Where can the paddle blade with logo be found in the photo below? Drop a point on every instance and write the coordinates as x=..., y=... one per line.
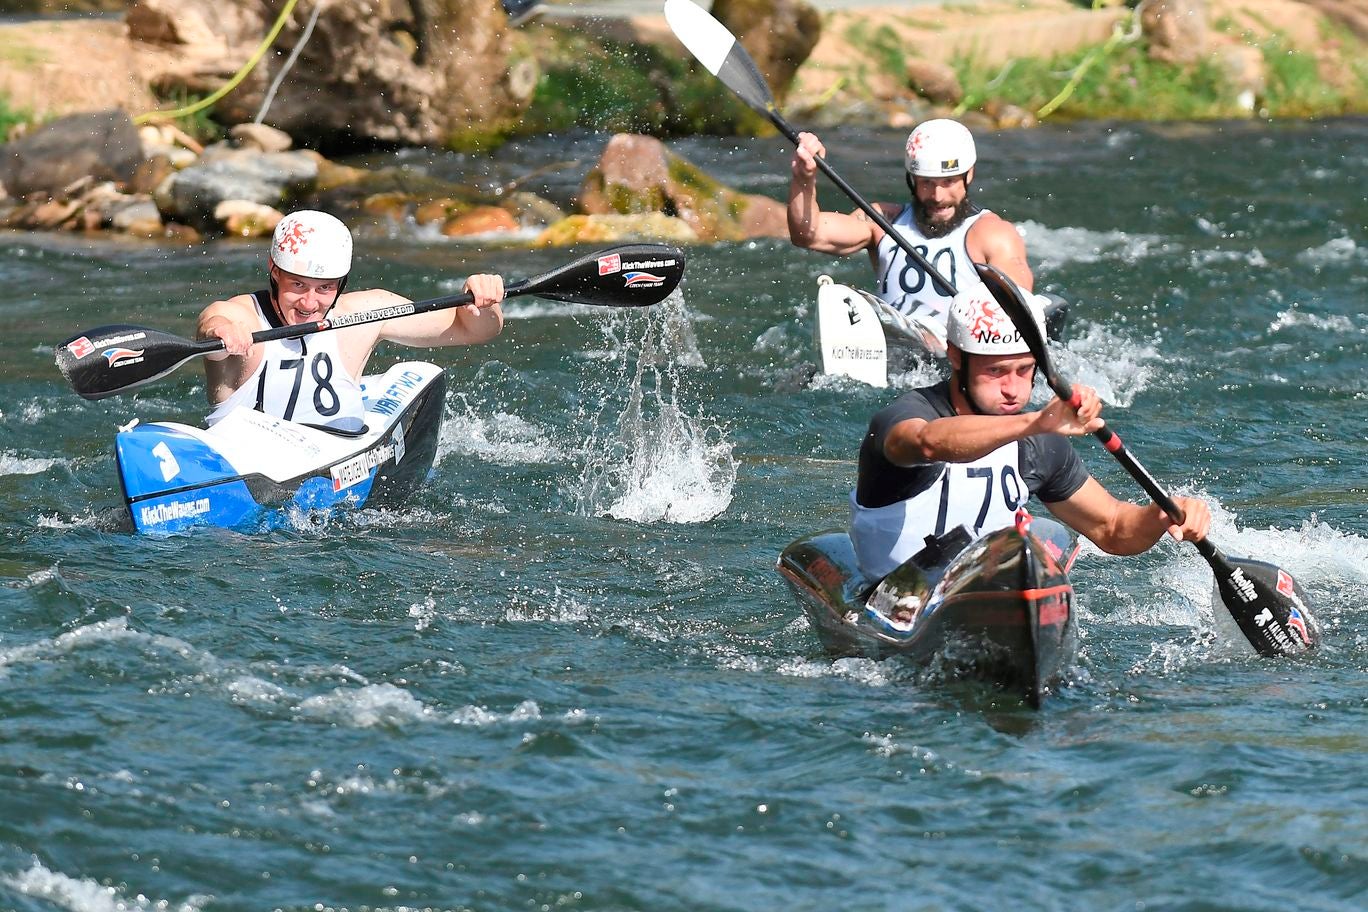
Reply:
x=114, y=359
x=629, y=275
x=1265, y=601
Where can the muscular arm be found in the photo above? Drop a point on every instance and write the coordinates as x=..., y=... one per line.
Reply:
x=996, y=242
x=233, y=321
x=836, y=233
x=1123, y=528
x=963, y=438
x=469, y=324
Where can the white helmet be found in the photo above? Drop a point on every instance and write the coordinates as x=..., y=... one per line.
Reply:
x=940, y=148
x=312, y=244
x=977, y=325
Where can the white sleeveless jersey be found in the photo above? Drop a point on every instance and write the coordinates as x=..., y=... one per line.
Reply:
x=300, y=380
x=982, y=496
x=906, y=286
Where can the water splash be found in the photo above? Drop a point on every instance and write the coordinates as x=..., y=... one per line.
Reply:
x=647, y=459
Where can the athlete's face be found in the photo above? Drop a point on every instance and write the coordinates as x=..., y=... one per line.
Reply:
x=999, y=384
x=300, y=299
x=941, y=197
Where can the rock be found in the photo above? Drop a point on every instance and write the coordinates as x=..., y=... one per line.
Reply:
x=166, y=22
x=259, y=137
x=637, y=174
x=104, y=146
x=934, y=81
x=778, y=34
x=191, y=196
x=139, y=215
x=370, y=70
x=605, y=229
x=1176, y=30
x=244, y=218
x=480, y=220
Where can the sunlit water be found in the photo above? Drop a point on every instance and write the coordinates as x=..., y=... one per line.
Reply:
x=566, y=676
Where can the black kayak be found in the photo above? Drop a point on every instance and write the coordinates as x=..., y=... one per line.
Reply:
x=998, y=608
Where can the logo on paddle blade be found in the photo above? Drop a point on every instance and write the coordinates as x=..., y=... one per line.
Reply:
x=1298, y=623
x=1285, y=583
x=81, y=347
x=122, y=357
x=610, y=264
x=643, y=279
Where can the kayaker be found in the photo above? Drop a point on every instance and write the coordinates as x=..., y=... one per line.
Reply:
x=315, y=379
x=941, y=221
x=966, y=452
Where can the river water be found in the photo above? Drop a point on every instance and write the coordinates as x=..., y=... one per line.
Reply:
x=566, y=676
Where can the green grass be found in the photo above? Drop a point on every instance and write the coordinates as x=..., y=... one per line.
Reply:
x=10, y=118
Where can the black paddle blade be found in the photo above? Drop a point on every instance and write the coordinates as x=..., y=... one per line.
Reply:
x=1013, y=303
x=1268, y=605
x=631, y=275
x=114, y=359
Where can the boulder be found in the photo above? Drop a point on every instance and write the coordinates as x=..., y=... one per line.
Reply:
x=616, y=229
x=103, y=146
x=268, y=178
x=936, y=82
x=778, y=34
x=423, y=72
x=637, y=174
x=1175, y=29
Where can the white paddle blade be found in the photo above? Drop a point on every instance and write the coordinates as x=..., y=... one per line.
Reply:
x=706, y=38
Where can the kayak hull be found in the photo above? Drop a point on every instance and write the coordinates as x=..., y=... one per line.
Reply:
x=251, y=469
x=997, y=609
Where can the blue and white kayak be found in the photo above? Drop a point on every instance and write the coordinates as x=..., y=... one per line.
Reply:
x=252, y=470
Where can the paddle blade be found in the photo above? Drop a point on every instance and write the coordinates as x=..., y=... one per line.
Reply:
x=630, y=275
x=720, y=53
x=1013, y=303
x=1268, y=605
x=114, y=359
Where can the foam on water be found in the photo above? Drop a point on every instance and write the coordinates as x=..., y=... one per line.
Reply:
x=86, y=895
x=1118, y=367
x=501, y=438
x=1334, y=251
x=12, y=463
x=651, y=460
x=1053, y=247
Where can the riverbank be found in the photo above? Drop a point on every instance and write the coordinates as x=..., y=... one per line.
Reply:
x=601, y=65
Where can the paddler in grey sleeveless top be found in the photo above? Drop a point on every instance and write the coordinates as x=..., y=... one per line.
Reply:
x=941, y=222
x=316, y=380
x=967, y=453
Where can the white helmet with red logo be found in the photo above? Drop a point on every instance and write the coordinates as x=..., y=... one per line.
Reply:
x=977, y=325
x=312, y=244
x=940, y=148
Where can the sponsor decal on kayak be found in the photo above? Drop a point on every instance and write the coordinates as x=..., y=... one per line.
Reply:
x=398, y=393
x=855, y=353
x=359, y=468
x=642, y=280
x=123, y=357
x=175, y=510
x=610, y=264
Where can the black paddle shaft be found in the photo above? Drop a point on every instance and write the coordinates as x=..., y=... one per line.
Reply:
x=106, y=360
x=1266, y=602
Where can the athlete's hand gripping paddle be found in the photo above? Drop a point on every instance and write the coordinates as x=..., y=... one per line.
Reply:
x=1268, y=605
x=114, y=359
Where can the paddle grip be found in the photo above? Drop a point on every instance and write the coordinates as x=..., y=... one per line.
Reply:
x=1064, y=390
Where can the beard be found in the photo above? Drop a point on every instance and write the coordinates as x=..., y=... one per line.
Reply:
x=966, y=208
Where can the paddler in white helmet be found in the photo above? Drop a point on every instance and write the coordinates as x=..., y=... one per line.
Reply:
x=967, y=452
x=316, y=379
x=941, y=221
